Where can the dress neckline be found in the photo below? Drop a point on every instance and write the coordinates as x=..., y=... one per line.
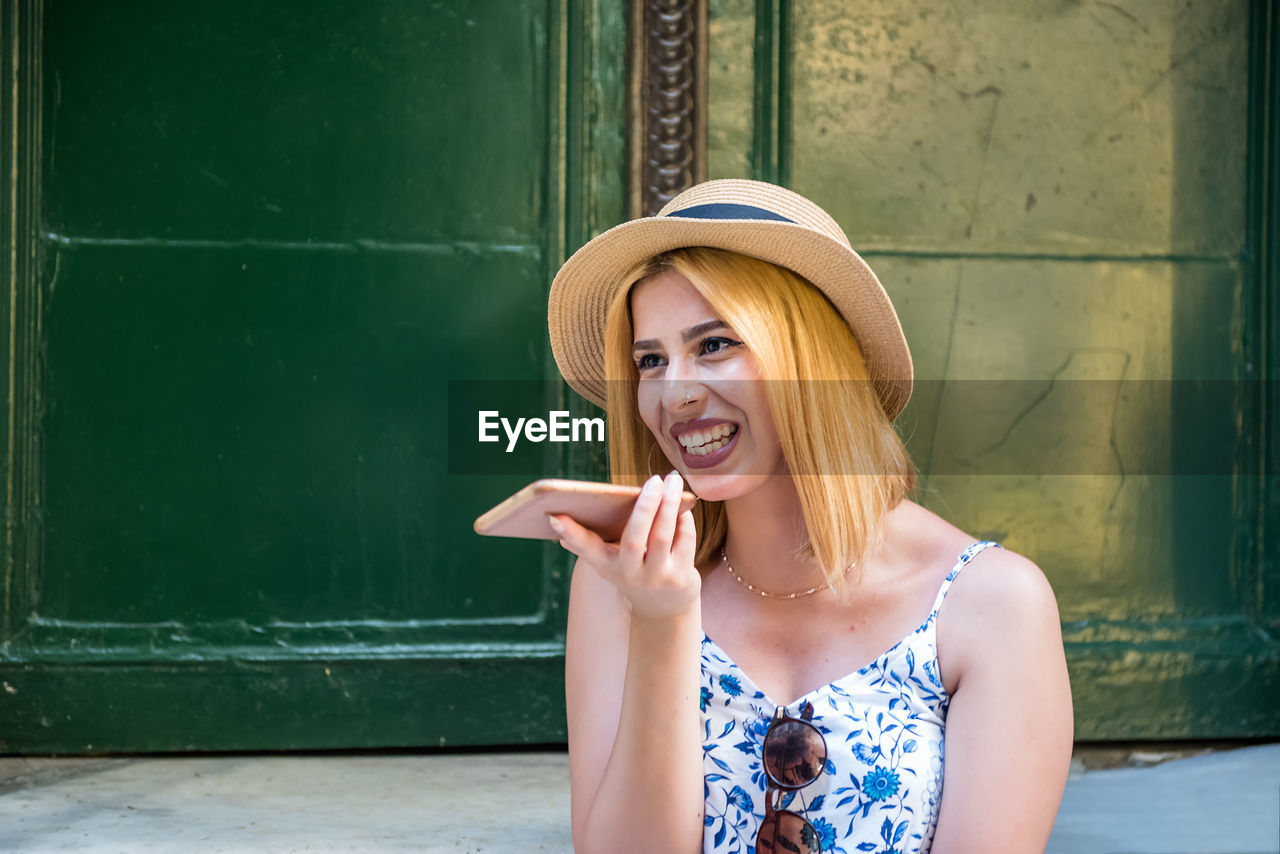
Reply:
x=964, y=558
x=861, y=671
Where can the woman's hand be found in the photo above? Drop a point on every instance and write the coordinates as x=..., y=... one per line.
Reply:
x=652, y=566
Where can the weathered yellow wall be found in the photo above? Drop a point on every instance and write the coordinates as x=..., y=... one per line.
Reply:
x=1054, y=195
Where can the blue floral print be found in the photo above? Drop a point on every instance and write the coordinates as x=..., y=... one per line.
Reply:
x=729, y=683
x=884, y=727
x=741, y=799
x=826, y=831
x=880, y=784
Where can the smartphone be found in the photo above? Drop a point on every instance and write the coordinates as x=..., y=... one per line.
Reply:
x=602, y=507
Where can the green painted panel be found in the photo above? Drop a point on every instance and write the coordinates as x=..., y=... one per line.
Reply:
x=1177, y=680
x=730, y=75
x=236, y=348
x=386, y=120
x=257, y=435
x=448, y=700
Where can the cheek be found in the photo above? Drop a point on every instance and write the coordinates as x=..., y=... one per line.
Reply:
x=649, y=405
x=762, y=417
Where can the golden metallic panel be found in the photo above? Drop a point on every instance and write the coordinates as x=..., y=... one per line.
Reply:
x=1061, y=368
x=1053, y=192
x=1063, y=127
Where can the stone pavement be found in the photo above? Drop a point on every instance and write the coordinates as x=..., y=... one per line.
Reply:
x=1225, y=802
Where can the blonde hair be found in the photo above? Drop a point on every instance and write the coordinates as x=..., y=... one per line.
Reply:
x=849, y=464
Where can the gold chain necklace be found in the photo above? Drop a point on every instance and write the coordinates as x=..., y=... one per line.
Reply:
x=724, y=559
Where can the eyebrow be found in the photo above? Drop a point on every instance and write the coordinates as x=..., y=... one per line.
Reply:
x=688, y=335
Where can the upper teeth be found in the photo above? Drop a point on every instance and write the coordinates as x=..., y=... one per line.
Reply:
x=701, y=437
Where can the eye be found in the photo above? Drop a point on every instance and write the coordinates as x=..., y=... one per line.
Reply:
x=647, y=361
x=718, y=345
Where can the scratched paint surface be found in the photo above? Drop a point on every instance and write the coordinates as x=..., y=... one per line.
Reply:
x=1062, y=367
x=1091, y=127
x=1023, y=130
x=1054, y=194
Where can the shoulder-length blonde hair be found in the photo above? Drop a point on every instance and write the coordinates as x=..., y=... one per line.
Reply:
x=849, y=464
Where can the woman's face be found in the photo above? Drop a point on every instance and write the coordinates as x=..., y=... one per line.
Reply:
x=723, y=440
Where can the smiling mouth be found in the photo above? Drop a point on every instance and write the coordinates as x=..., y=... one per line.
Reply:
x=702, y=442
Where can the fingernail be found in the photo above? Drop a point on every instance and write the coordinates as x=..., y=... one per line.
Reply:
x=555, y=524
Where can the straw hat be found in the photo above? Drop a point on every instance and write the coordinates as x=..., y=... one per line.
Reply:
x=749, y=217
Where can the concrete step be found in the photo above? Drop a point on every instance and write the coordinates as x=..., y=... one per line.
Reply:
x=1223, y=802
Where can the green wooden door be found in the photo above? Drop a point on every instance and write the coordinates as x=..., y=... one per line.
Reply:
x=1071, y=205
x=247, y=247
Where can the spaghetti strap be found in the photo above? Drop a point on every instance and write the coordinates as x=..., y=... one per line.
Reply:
x=965, y=556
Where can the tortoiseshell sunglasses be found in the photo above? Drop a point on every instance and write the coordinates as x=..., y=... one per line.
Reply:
x=795, y=754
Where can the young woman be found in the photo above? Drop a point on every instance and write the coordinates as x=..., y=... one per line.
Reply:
x=798, y=664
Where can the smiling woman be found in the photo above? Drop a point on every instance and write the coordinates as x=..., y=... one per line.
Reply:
x=739, y=341
x=796, y=356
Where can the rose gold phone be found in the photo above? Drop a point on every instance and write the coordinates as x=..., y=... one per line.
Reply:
x=602, y=507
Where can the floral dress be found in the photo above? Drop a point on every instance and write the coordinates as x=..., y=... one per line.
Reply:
x=883, y=726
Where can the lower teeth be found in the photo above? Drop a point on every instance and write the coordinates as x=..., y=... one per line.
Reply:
x=703, y=450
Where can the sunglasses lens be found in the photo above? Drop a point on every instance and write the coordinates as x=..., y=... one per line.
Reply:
x=786, y=833
x=794, y=753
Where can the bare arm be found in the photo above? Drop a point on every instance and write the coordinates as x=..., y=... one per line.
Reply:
x=631, y=684
x=1009, y=726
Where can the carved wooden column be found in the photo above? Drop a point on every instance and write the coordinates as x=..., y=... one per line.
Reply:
x=668, y=93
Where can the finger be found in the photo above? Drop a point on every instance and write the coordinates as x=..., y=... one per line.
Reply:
x=583, y=541
x=686, y=541
x=664, y=524
x=635, y=537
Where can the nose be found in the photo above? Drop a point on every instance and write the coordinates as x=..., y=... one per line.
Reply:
x=680, y=396
x=682, y=388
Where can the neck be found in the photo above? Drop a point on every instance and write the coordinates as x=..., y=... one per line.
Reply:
x=766, y=527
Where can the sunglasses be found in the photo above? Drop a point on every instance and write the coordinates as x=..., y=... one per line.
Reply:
x=795, y=754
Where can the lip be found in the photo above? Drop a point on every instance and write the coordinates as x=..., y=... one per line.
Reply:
x=705, y=461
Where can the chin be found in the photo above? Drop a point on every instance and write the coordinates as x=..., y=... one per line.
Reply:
x=723, y=487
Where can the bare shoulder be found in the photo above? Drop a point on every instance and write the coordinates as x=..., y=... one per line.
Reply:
x=1002, y=584
x=1001, y=603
